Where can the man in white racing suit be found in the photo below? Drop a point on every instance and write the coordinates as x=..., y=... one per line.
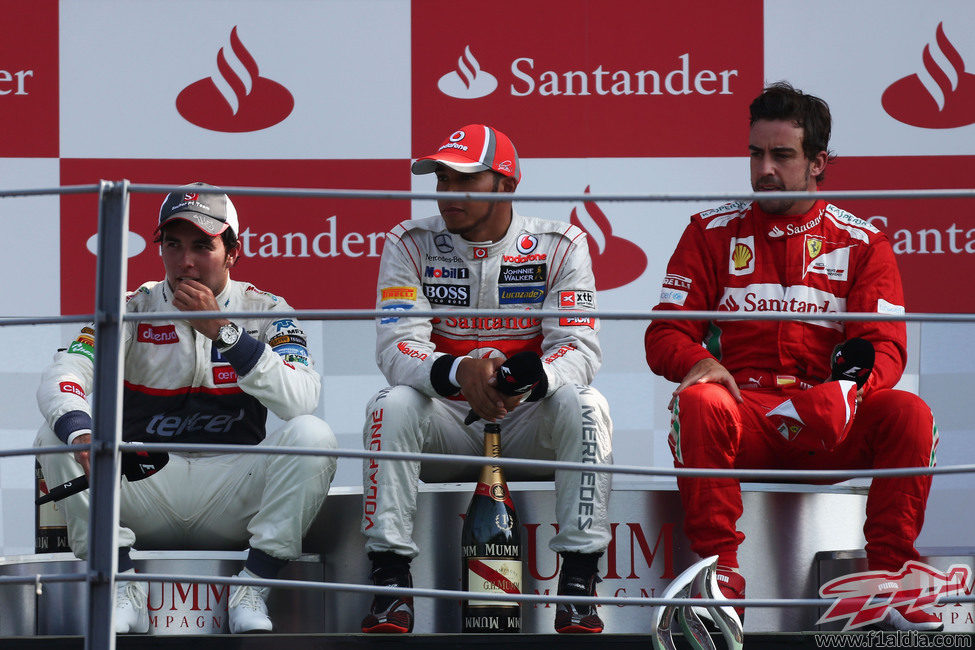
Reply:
x=199, y=381
x=482, y=254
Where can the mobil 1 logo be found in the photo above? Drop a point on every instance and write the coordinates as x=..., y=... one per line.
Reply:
x=448, y=294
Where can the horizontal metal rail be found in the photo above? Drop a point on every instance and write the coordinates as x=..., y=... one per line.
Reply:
x=313, y=193
x=674, y=197
x=785, y=475
x=372, y=314
x=307, y=585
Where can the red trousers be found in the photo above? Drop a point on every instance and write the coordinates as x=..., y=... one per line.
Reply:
x=891, y=428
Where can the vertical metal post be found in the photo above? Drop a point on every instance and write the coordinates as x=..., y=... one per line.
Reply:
x=113, y=226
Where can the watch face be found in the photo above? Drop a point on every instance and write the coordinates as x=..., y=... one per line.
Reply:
x=229, y=335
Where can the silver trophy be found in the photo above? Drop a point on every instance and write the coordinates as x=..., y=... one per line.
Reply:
x=700, y=578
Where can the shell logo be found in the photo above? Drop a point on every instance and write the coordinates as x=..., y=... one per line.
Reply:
x=741, y=256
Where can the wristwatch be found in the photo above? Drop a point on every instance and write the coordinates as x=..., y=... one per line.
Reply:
x=228, y=336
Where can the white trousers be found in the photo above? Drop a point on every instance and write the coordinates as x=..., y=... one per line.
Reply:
x=212, y=501
x=573, y=424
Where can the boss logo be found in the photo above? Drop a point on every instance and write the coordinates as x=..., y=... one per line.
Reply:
x=447, y=294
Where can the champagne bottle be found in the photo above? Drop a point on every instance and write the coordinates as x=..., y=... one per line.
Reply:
x=491, y=548
x=51, y=529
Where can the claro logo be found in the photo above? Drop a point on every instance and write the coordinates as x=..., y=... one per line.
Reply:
x=469, y=81
x=235, y=103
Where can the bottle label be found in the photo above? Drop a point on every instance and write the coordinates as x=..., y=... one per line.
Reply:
x=496, y=491
x=51, y=532
x=489, y=576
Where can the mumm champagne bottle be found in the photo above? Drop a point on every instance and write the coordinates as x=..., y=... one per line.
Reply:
x=491, y=548
x=50, y=527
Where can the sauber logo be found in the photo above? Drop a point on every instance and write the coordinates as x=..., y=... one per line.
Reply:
x=156, y=334
x=863, y=598
x=938, y=97
x=468, y=81
x=235, y=104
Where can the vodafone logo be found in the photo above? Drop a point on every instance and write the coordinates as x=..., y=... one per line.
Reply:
x=615, y=261
x=940, y=96
x=468, y=81
x=231, y=103
x=526, y=244
x=157, y=334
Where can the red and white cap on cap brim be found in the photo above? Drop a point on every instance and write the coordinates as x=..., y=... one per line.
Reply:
x=818, y=418
x=474, y=148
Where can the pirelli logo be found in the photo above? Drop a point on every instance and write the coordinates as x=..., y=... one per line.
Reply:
x=398, y=293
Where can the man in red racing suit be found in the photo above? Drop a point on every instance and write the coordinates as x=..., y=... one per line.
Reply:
x=481, y=254
x=755, y=393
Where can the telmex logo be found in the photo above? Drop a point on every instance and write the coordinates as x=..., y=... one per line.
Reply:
x=234, y=104
x=469, y=81
x=941, y=96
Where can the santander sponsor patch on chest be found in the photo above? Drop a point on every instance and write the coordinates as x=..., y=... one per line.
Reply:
x=824, y=257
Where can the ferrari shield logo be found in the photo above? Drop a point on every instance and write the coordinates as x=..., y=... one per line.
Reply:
x=814, y=247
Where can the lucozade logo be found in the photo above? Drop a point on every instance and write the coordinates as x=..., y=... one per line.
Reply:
x=941, y=96
x=234, y=103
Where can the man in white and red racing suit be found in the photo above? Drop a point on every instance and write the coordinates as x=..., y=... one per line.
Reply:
x=529, y=264
x=184, y=386
x=756, y=393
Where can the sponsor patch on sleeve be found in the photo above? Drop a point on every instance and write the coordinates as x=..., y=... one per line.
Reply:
x=576, y=321
x=72, y=388
x=400, y=306
x=398, y=293
x=884, y=307
x=84, y=349
x=673, y=296
x=281, y=339
x=577, y=300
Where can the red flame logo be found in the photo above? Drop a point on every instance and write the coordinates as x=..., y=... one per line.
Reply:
x=615, y=261
x=235, y=104
x=939, y=97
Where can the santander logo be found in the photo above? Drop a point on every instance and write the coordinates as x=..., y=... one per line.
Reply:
x=615, y=261
x=235, y=102
x=941, y=96
x=468, y=81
